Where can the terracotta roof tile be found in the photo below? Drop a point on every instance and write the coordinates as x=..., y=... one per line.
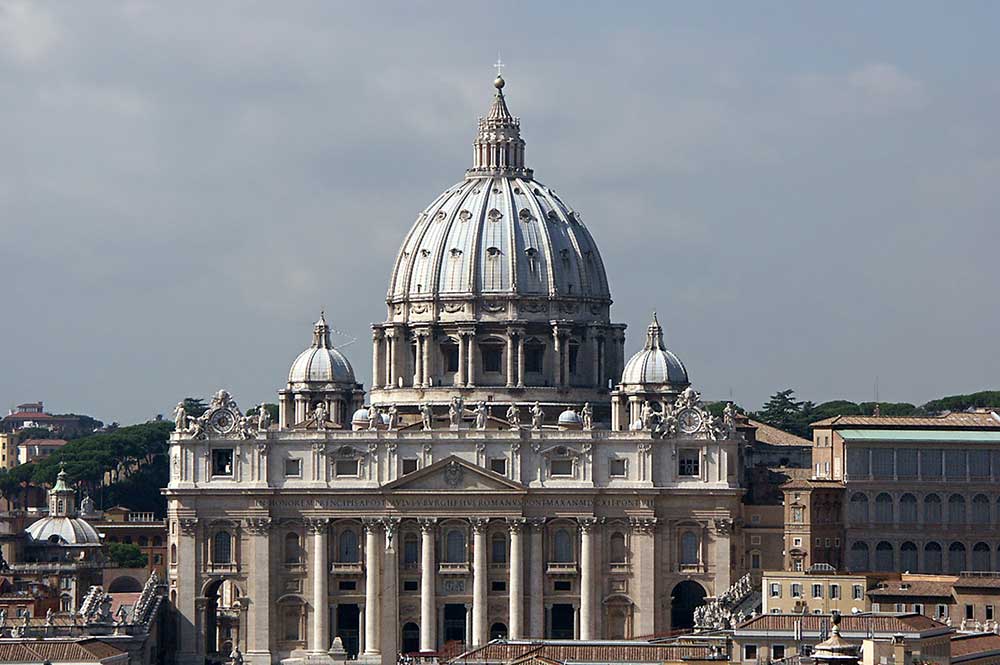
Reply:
x=849, y=623
x=967, y=646
x=78, y=651
x=597, y=651
x=977, y=419
x=776, y=437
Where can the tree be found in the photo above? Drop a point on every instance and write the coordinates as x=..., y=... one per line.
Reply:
x=26, y=433
x=195, y=406
x=783, y=411
x=272, y=410
x=982, y=399
x=126, y=555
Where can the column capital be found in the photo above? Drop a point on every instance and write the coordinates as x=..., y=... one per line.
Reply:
x=536, y=523
x=377, y=333
x=643, y=525
x=516, y=524
x=371, y=524
x=188, y=525
x=258, y=526
x=316, y=525
x=587, y=523
x=427, y=524
x=479, y=524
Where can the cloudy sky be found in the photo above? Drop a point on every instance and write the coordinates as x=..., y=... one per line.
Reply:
x=806, y=193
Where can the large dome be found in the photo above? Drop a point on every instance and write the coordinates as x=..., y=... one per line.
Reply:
x=495, y=235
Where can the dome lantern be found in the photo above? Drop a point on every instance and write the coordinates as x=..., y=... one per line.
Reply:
x=499, y=148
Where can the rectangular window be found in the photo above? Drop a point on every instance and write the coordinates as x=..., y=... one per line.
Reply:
x=222, y=462
x=755, y=519
x=293, y=467
x=819, y=542
x=562, y=585
x=900, y=607
x=749, y=652
x=755, y=560
x=561, y=468
x=499, y=465
x=882, y=463
x=941, y=611
x=775, y=590
x=492, y=357
x=979, y=464
x=857, y=462
x=918, y=608
x=348, y=585
x=796, y=542
x=989, y=613
x=616, y=468
x=450, y=353
x=410, y=585
x=857, y=592
x=817, y=590
x=409, y=465
x=797, y=514
x=688, y=463
x=834, y=591
x=533, y=355
x=755, y=540
x=906, y=463
x=346, y=468
x=796, y=590
x=954, y=464
x=970, y=611
x=797, y=565
x=930, y=464
x=498, y=586
x=778, y=652
x=876, y=607
x=574, y=353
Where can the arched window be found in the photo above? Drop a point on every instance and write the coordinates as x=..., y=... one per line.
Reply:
x=411, y=549
x=884, y=556
x=173, y=553
x=932, y=509
x=980, y=509
x=858, y=508
x=293, y=552
x=908, y=557
x=908, y=509
x=455, y=547
x=498, y=631
x=291, y=622
x=498, y=549
x=618, y=547
x=562, y=546
x=932, y=558
x=981, y=557
x=956, y=558
x=222, y=548
x=689, y=549
x=347, y=552
x=956, y=509
x=883, y=508
x=859, y=556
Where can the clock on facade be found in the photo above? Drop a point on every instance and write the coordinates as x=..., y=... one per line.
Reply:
x=689, y=421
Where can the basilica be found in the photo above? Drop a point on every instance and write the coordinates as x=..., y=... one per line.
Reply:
x=509, y=473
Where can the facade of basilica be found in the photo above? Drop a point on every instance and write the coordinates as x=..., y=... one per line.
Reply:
x=509, y=473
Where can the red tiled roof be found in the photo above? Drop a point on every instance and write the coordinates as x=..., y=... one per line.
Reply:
x=894, y=588
x=849, y=623
x=776, y=437
x=977, y=419
x=978, y=581
x=43, y=442
x=27, y=415
x=87, y=651
x=964, y=645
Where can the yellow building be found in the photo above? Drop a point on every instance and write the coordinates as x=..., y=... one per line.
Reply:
x=8, y=450
x=821, y=591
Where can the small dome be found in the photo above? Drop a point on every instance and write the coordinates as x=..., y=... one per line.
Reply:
x=321, y=363
x=63, y=531
x=361, y=415
x=570, y=417
x=654, y=364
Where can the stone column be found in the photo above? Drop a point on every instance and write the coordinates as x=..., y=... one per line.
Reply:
x=377, y=363
x=536, y=601
x=389, y=636
x=191, y=644
x=557, y=365
x=362, y=646
x=390, y=338
x=643, y=547
x=587, y=608
x=319, y=634
x=428, y=368
x=460, y=375
x=511, y=379
x=480, y=573
x=428, y=616
x=373, y=617
x=515, y=584
x=418, y=360
x=259, y=572
x=471, y=356
x=301, y=409
x=520, y=360
x=723, y=559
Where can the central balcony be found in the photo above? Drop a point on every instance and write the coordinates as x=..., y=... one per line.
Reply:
x=454, y=568
x=347, y=568
x=561, y=568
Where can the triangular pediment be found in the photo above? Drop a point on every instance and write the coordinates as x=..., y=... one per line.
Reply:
x=454, y=474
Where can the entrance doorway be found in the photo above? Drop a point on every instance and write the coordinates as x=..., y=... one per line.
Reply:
x=411, y=638
x=212, y=618
x=562, y=621
x=685, y=598
x=348, y=627
x=454, y=622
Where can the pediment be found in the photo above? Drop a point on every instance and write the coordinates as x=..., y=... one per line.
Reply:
x=454, y=474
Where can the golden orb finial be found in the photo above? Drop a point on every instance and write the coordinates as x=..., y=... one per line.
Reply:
x=499, y=82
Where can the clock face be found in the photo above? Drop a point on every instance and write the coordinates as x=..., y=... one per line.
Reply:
x=689, y=421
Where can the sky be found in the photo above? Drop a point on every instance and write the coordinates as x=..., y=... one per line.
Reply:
x=805, y=192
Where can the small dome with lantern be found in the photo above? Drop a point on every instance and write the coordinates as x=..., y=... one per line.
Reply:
x=63, y=526
x=321, y=362
x=654, y=364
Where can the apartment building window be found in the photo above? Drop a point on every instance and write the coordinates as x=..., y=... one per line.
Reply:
x=817, y=591
x=989, y=613
x=750, y=652
x=834, y=591
x=941, y=612
x=918, y=608
x=857, y=592
x=970, y=611
x=755, y=560
x=778, y=652
x=796, y=590
x=796, y=542
x=775, y=590
x=797, y=565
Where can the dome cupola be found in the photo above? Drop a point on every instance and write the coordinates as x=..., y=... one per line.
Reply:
x=654, y=364
x=321, y=362
x=63, y=526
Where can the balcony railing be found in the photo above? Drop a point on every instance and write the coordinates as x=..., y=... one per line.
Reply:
x=620, y=567
x=454, y=568
x=347, y=568
x=561, y=568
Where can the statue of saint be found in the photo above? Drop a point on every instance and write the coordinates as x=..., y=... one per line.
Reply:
x=393, y=417
x=587, y=414
x=427, y=416
x=320, y=416
x=180, y=418
x=481, y=415
x=514, y=417
x=646, y=415
x=374, y=417
x=263, y=418
x=537, y=416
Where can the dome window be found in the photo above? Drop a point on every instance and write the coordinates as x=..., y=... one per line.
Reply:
x=455, y=252
x=494, y=215
x=517, y=190
x=525, y=216
x=553, y=216
x=440, y=217
x=464, y=216
x=493, y=252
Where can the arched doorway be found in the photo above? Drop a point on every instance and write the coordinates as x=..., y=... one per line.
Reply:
x=498, y=631
x=411, y=638
x=212, y=617
x=124, y=584
x=686, y=596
